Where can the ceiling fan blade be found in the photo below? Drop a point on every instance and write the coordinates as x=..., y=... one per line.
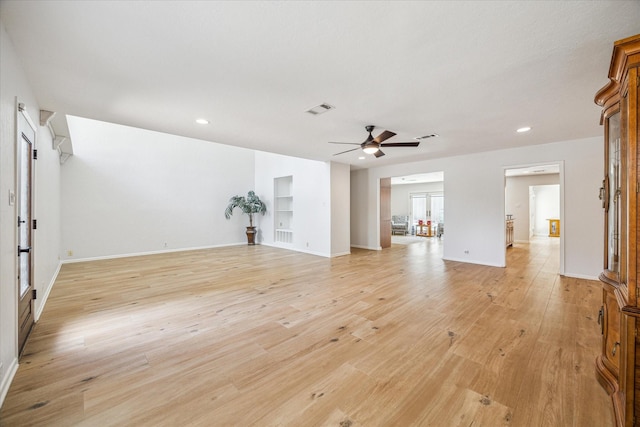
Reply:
x=378, y=153
x=347, y=143
x=342, y=152
x=401, y=144
x=383, y=136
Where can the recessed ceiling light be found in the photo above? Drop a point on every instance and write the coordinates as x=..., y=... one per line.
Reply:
x=524, y=129
x=361, y=158
x=202, y=121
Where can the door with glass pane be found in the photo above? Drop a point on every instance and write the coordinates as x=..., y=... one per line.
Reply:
x=437, y=214
x=437, y=208
x=419, y=212
x=25, y=150
x=427, y=207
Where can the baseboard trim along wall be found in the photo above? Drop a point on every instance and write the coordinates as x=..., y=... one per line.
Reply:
x=580, y=276
x=471, y=261
x=379, y=248
x=46, y=292
x=340, y=254
x=164, y=251
x=7, y=380
x=286, y=248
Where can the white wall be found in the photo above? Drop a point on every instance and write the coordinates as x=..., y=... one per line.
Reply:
x=365, y=210
x=474, y=189
x=547, y=205
x=132, y=191
x=517, y=200
x=340, y=209
x=311, y=201
x=46, y=239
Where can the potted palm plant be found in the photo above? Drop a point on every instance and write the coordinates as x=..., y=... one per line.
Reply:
x=249, y=205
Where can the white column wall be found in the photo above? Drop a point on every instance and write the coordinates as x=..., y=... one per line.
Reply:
x=340, y=209
x=311, y=201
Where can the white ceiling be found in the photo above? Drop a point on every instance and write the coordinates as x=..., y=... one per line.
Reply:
x=534, y=170
x=471, y=72
x=418, y=178
x=421, y=178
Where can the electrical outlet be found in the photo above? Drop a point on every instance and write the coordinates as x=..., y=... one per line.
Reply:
x=69, y=252
x=165, y=244
x=466, y=251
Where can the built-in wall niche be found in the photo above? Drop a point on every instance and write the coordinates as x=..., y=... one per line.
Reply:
x=283, y=194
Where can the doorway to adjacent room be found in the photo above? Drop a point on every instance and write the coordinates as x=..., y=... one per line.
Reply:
x=534, y=207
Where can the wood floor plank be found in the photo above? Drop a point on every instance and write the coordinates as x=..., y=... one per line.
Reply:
x=260, y=336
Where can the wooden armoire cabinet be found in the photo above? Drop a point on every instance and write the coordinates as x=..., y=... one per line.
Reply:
x=618, y=366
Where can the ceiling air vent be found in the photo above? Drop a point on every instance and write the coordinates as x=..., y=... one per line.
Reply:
x=319, y=109
x=433, y=135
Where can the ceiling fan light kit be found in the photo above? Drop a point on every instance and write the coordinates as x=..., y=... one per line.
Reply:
x=370, y=148
x=372, y=145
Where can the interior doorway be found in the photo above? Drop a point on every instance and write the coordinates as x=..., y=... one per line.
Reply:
x=534, y=205
x=417, y=205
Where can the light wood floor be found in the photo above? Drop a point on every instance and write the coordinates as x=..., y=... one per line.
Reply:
x=258, y=336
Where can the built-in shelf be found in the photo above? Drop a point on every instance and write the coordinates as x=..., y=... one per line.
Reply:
x=283, y=190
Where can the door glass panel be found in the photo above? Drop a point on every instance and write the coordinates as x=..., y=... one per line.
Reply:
x=24, y=210
x=437, y=208
x=613, y=215
x=418, y=208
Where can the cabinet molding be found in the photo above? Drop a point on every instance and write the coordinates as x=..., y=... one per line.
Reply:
x=618, y=365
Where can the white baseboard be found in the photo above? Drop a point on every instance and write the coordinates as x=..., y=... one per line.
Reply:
x=340, y=254
x=289, y=247
x=7, y=379
x=312, y=253
x=164, y=251
x=46, y=292
x=579, y=276
x=379, y=248
x=471, y=261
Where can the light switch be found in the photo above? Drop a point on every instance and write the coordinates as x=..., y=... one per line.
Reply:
x=12, y=198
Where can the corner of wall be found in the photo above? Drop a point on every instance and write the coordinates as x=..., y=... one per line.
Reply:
x=41, y=301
